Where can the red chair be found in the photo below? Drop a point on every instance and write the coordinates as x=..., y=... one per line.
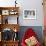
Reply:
x=29, y=33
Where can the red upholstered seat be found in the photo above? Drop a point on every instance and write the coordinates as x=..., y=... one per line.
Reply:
x=29, y=33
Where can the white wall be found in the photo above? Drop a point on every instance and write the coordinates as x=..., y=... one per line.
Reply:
x=32, y=4
x=7, y=3
x=27, y=4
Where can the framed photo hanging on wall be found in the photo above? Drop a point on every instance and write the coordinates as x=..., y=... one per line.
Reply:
x=29, y=14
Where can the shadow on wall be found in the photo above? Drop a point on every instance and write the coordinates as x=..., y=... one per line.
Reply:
x=37, y=29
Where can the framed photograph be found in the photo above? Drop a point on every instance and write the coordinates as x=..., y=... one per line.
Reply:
x=13, y=12
x=5, y=12
x=29, y=14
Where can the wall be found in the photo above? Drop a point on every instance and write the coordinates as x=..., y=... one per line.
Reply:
x=7, y=3
x=32, y=4
x=27, y=4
